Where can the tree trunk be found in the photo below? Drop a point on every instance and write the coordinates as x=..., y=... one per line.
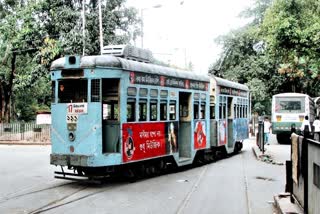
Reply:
x=7, y=91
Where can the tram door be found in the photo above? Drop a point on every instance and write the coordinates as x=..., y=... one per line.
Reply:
x=230, y=122
x=110, y=115
x=185, y=125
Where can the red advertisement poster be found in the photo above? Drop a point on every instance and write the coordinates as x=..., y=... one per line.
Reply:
x=143, y=140
x=200, y=138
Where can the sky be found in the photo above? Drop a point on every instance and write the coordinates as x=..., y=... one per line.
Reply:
x=183, y=31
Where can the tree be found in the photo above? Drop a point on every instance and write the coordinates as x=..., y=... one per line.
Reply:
x=34, y=33
x=288, y=33
x=291, y=30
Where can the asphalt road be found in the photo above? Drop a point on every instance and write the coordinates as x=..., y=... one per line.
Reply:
x=238, y=184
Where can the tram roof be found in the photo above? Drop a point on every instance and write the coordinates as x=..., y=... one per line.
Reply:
x=108, y=61
x=227, y=83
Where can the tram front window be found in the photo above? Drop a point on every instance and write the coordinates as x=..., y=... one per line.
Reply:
x=73, y=91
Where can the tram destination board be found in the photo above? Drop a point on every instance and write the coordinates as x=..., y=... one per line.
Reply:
x=166, y=81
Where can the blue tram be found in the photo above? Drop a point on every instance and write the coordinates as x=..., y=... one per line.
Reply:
x=110, y=111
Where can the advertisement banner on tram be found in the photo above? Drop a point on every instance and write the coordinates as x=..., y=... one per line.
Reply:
x=146, y=140
x=200, y=137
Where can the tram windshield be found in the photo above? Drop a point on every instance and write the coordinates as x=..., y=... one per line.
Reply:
x=72, y=91
x=290, y=104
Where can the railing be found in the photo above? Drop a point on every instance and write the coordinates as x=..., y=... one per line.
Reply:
x=303, y=173
x=24, y=132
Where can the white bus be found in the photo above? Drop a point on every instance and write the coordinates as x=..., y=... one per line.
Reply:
x=288, y=111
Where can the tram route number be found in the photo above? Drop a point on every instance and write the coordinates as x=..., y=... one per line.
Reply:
x=71, y=118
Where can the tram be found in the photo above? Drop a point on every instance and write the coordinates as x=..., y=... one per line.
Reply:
x=118, y=110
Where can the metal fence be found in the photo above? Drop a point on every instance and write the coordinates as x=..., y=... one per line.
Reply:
x=24, y=132
x=303, y=173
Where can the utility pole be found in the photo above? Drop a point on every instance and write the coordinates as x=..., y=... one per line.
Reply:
x=83, y=27
x=100, y=28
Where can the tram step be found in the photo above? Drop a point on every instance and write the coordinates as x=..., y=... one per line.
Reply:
x=183, y=159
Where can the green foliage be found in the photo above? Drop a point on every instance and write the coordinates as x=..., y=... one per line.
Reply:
x=291, y=30
x=289, y=58
x=34, y=33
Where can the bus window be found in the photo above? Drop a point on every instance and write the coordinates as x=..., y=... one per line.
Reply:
x=163, y=110
x=74, y=90
x=203, y=111
x=142, y=110
x=95, y=90
x=196, y=111
x=212, y=111
x=153, y=110
x=53, y=88
x=235, y=111
x=172, y=110
x=220, y=111
x=131, y=110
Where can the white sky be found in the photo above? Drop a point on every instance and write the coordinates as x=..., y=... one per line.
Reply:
x=177, y=33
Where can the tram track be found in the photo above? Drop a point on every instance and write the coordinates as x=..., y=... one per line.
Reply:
x=245, y=177
x=194, y=187
x=68, y=199
x=18, y=195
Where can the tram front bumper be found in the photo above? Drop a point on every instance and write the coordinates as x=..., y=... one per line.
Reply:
x=69, y=160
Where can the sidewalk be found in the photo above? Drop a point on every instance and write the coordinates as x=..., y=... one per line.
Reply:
x=278, y=154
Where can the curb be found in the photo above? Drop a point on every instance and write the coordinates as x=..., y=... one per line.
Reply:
x=284, y=205
x=264, y=157
x=24, y=144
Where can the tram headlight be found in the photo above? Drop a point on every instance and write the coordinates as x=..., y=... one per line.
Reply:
x=72, y=136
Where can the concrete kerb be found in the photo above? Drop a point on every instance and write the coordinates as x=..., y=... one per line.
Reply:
x=284, y=205
x=267, y=158
x=24, y=143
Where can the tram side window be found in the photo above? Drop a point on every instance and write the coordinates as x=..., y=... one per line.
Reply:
x=235, y=111
x=153, y=110
x=222, y=111
x=196, y=111
x=230, y=107
x=203, y=111
x=142, y=110
x=172, y=110
x=131, y=110
x=163, y=110
x=53, y=88
x=95, y=90
x=241, y=111
x=74, y=90
x=245, y=111
x=110, y=111
x=212, y=112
